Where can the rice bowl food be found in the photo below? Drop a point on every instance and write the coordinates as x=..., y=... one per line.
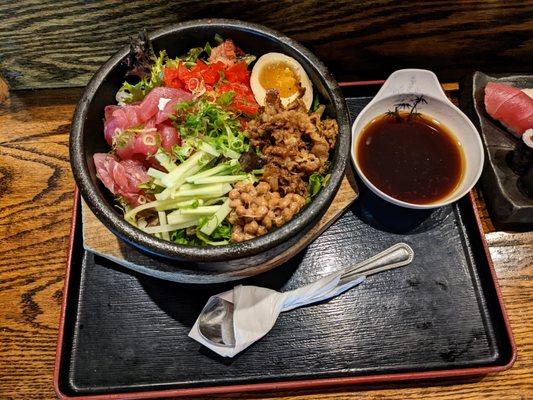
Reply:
x=211, y=148
x=239, y=246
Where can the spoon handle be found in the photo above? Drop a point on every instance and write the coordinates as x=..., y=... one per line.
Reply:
x=395, y=256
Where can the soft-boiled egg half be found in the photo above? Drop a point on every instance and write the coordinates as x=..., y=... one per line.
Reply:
x=283, y=73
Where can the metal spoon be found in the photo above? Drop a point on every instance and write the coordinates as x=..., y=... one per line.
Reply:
x=216, y=322
x=216, y=319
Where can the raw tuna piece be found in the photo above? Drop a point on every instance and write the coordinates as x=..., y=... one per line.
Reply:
x=509, y=105
x=121, y=177
x=150, y=105
x=120, y=118
x=140, y=145
x=169, y=136
x=168, y=109
x=108, y=111
x=147, y=141
x=150, y=124
x=133, y=115
x=110, y=129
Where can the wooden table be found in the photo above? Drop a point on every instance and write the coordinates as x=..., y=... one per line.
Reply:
x=36, y=193
x=59, y=44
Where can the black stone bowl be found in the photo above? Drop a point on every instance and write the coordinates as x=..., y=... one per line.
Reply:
x=87, y=138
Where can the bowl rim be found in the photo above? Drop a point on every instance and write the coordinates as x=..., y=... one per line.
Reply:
x=454, y=196
x=159, y=247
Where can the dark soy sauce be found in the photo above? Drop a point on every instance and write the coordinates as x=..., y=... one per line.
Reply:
x=410, y=157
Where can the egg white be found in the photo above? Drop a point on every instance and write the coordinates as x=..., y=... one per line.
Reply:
x=270, y=58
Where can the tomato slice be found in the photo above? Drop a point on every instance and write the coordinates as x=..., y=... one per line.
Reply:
x=238, y=73
x=199, y=68
x=211, y=73
x=211, y=76
x=237, y=81
x=244, y=99
x=201, y=71
x=183, y=73
x=238, y=88
x=245, y=106
x=171, y=78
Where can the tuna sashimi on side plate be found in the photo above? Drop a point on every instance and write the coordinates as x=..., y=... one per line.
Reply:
x=510, y=106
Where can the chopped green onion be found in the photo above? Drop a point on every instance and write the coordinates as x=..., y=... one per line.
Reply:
x=226, y=98
x=248, y=59
x=207, y=48
x=316, y=103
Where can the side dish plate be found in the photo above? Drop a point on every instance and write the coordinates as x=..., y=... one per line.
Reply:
x=507, y=205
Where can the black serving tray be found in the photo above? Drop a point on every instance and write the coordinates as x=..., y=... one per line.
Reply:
x=124, y=333
x=507, y=205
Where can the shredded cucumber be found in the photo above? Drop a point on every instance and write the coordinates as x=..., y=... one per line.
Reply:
x=216, y=219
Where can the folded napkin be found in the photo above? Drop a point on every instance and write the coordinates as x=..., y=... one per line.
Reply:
x=256, y=309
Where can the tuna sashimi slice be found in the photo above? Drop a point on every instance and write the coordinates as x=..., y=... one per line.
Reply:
x=169, y=136
x=108, y=111
x=120, y=118
x=121, y=177
x=142, y=144
x=167, y=110
x=150, y=105
x=509, y=105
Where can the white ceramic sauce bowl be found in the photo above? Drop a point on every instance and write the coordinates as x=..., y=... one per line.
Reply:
x=404, y=85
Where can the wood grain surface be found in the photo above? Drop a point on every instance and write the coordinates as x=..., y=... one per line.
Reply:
x=60, y=43
x=36, y=189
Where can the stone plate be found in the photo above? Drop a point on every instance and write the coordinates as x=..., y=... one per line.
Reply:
x=506, y=203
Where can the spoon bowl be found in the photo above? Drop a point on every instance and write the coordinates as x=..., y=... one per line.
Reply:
x=216, y=322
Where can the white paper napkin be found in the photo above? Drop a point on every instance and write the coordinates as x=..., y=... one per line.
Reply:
x=256, y=309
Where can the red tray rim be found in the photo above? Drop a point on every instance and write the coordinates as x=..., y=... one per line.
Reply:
x=286, y=385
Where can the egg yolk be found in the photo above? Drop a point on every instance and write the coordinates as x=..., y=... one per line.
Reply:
x=280, y=76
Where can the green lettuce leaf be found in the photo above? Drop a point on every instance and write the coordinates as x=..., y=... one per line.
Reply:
x=138, y=91
x=316, y=182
